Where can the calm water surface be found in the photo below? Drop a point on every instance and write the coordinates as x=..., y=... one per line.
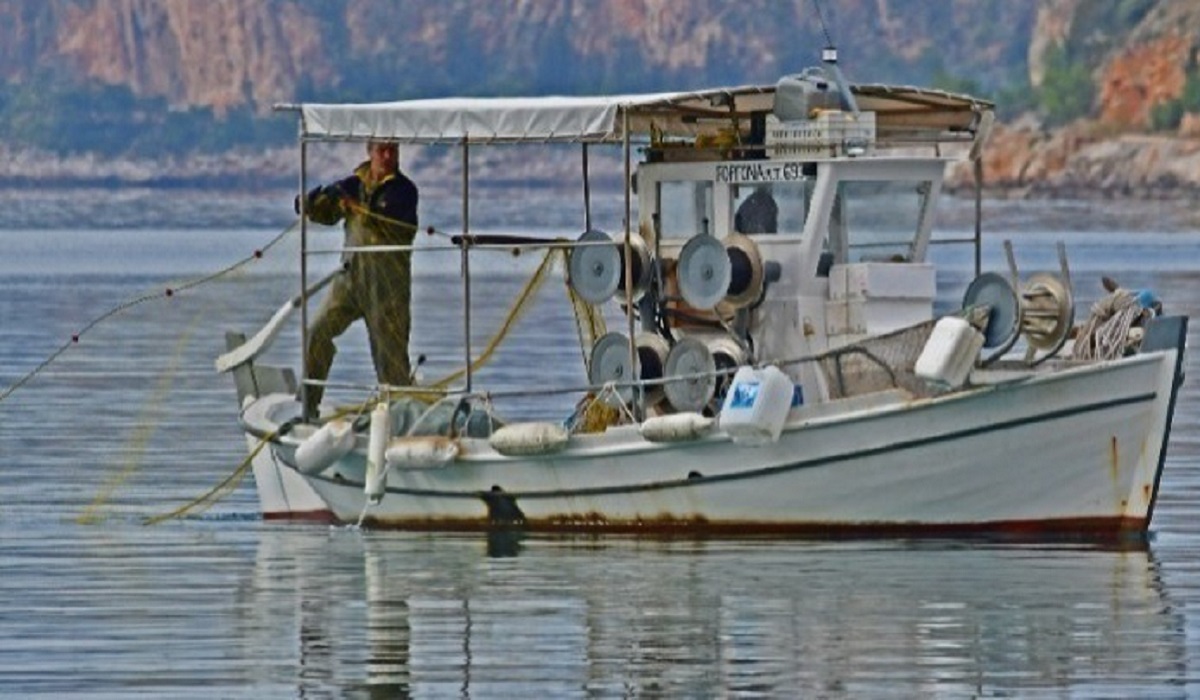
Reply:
x=133, y=422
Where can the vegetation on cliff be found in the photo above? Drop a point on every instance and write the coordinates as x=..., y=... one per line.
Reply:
x=146, y=79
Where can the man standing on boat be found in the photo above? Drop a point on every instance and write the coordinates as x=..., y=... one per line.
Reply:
x=379, y=206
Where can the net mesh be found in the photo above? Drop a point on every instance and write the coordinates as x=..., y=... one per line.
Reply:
x=876, y=364
x=122, y=360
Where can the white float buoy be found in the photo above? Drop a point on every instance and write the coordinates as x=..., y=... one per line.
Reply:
x=333, y=441
x=376, y=481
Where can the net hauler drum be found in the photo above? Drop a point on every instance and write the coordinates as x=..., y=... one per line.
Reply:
x=746, y=274
x=691, y=382
x=597, y=271
x=611, y=362
x=652, y=352
x=703, y=272
x=726, y=275
x=728, y=354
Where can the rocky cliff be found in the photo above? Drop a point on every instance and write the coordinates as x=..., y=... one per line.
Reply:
x=1111, y=87
x=226, y=53
x=1139, y=132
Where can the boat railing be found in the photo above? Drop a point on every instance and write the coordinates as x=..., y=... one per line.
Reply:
x=872, y=365
x=493, y=243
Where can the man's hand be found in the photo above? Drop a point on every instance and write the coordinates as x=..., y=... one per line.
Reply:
x=344, y=192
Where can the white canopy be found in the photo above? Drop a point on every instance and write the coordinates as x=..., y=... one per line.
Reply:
x=600, y=119
x=491, y=119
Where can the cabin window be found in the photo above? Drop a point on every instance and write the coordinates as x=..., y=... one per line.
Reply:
x=877, y=221
x=770, y=207
x=685, y=208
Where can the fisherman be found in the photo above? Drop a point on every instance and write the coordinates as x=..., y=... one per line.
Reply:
x=379, y=206
x=758, y=213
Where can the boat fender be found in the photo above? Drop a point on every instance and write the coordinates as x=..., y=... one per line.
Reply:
x=376, y=481
x=523, y=439
x=327, y=445
x=676, y=427
x=421, y=452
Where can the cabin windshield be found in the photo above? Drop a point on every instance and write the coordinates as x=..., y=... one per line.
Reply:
x=877, y=221
x=685, y=208
x=770, y=207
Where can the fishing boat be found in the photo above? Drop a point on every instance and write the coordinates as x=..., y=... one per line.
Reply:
x=779, y=369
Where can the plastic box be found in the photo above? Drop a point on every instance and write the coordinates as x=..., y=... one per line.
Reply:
x=950, y=352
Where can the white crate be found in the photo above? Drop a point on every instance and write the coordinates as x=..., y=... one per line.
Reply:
x=828, y=133
x=881, y=280
x=874, y=316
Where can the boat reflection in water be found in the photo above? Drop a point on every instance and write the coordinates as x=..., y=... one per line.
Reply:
x=414, y=614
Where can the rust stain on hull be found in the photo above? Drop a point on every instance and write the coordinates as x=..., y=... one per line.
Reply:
x=1089, y=529
x=309, y=516
x=1114, y=457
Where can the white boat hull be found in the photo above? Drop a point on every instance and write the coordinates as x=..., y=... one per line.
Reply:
x=282, y=492
x=1073, y=450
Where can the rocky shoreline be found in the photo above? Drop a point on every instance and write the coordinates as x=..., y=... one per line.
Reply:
x=1021, y=161
x=1084, y=161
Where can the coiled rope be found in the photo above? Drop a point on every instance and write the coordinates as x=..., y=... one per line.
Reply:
x=1106, y=333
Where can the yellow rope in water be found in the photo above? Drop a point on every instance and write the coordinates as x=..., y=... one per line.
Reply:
x=152, y=412
x=147, y=424
x=225, y=487
x=589, y=323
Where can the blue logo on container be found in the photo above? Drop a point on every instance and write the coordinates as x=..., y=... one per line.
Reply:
x=744, y=395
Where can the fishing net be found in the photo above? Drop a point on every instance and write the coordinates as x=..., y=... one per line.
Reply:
x=876, y=364
x=122, y=361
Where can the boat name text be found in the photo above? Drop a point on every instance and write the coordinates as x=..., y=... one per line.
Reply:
x=760, y=172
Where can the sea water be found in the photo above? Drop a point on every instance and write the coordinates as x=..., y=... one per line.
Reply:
x=95, y=603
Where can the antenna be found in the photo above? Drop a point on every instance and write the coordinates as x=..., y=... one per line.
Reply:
x=824, y=29
x=829, y=57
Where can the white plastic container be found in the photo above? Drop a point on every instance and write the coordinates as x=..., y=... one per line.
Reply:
x=950, y=352
x=756, y=405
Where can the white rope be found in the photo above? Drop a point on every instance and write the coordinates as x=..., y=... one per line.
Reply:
x=1105, y=334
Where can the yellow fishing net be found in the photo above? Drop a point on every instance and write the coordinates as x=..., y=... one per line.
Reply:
x=126, y=364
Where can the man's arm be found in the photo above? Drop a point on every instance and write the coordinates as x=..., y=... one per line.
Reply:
x=324, y=204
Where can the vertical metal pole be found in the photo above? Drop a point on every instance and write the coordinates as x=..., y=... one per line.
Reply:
x=587, y=193
x=304, y=277
x=466, y=256
x=978, y=216
x=633, y=363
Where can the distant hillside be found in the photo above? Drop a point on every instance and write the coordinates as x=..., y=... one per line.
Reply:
x=144, y=76
x=139, y=82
